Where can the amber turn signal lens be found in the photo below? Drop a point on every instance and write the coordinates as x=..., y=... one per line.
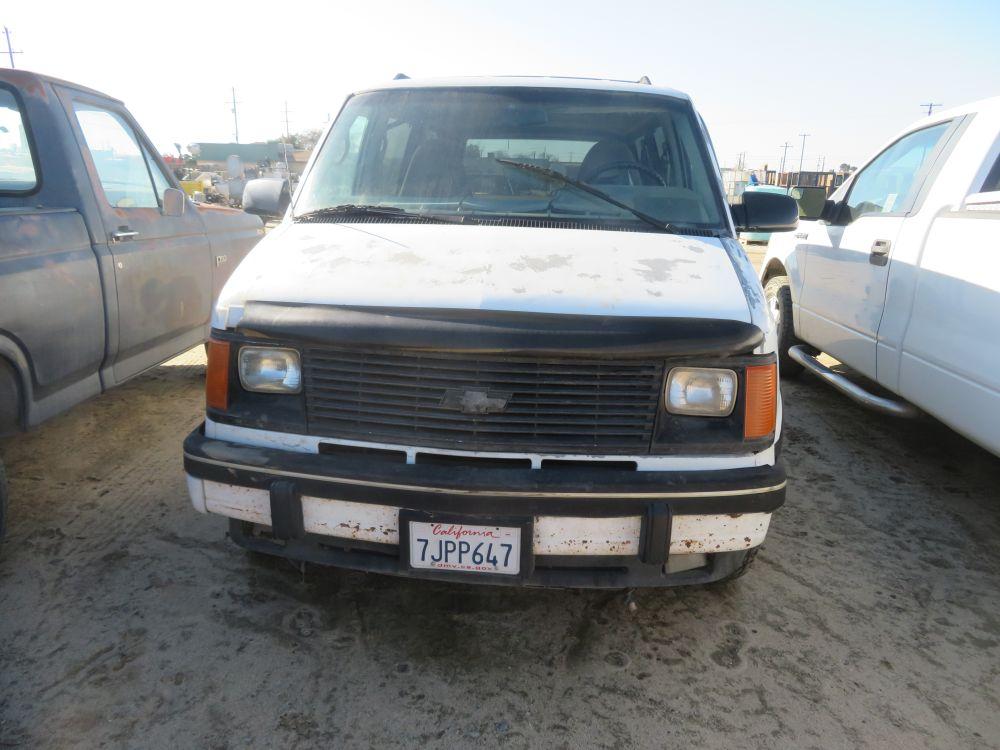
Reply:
x=761, y=401
x=217, y=375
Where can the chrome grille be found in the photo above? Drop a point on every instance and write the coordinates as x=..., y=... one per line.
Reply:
x=423, y=399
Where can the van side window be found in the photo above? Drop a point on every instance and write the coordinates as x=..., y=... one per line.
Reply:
x=889, y=184
x=17, y=167
x=121, y=166
x=992, y=182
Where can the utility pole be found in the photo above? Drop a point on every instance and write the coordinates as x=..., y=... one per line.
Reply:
x=802, y=155
x=10, y=50
x=930, y=107
x=288, y=143
x=236, y=123
x=781, y=169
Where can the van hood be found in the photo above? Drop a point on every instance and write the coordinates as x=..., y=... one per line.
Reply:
x=575, y=271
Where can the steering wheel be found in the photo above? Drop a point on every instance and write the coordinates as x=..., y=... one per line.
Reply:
x=628, y=166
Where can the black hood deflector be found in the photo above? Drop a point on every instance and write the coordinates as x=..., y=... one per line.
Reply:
x=497, y=332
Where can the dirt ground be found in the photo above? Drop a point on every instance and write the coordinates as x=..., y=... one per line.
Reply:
x=871, y=618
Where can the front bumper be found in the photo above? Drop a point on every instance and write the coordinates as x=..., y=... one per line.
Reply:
x=591, y=527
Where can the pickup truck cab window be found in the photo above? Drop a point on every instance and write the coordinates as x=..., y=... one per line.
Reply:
x=889, y=183
x=160, y=182
x=448, y=152
x=992, y=181
x=17, y=165
x=118, y=158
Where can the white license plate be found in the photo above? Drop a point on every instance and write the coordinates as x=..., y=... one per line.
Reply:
x=469, y=549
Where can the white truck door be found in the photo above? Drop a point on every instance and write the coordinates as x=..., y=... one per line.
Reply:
x=847, y=265
x=950, y=364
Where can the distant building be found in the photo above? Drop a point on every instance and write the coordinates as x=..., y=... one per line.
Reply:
x=830, y=180
x=213, y=157
x=734, y=181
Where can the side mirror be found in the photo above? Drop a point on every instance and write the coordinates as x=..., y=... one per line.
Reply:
x=765, y=212
x=811, y=201
x=173, y=202
x=267, y=196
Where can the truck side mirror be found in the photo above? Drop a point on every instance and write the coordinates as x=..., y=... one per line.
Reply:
x=267, y=196
x=765, y=212
x=173, y=202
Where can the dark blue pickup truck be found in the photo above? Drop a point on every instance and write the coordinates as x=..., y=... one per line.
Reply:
x=106, y=267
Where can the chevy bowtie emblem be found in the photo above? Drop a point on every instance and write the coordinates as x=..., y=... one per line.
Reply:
x=475, y=402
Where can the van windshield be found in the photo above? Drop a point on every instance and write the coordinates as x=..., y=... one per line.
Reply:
x=468, y=152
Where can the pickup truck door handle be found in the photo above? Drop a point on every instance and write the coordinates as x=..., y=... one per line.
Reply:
x=880, y=252
x=120, y=235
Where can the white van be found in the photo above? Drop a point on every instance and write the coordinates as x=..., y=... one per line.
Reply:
x=505, y=334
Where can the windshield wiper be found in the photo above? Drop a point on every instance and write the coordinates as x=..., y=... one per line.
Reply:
x=559, y=177
x=352, y=209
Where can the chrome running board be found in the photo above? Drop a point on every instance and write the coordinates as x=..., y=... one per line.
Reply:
x=853, y=391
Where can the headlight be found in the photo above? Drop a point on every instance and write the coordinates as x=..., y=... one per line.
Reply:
x=701, y=391
x=267, y=370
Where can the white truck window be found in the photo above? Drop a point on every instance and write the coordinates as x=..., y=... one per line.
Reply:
x=121, y=166
x=889, y=184
x=17, y=168
x=992, y=182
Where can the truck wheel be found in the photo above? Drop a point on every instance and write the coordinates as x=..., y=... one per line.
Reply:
x=749, y=556
x=778, y=296
x=3, y=502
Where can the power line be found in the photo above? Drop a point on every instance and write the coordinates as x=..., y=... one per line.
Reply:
x=781, y=169
x=802, y=155
x=288, y=143
x=236, y=123
x=10, y=50
x=930, y=107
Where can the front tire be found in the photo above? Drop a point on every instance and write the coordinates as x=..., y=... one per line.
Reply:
x=778, y=297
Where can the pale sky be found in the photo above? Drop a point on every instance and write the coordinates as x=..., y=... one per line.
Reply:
x=848, y=73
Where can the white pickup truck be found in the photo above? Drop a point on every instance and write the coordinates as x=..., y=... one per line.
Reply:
x=897, y=276
x=505, y=333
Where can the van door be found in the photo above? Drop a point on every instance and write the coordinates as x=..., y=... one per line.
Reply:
x=163, y=271
x=847, y=262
